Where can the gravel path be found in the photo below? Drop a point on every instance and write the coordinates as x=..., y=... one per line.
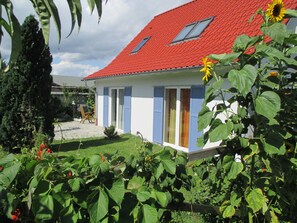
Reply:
x=77, y=130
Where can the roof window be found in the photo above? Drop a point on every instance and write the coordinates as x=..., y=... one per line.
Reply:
x=140, y=45
x=192, y=30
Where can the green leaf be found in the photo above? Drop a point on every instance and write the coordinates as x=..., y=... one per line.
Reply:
x=276, y=32
x=255, y=199
x=294, y=161
x=205, y=116
x=51, y=7
x=135, y=183
x=290, y=13
x=243, y=42
x=224, y=58
x=117, y=191
x=43, y=208
x=243, y=79
x=268, y=104
x=274, y=143
x=143, y=194
x=229, y=211
x=99, y=209
x=221, y=132
x=169, y=166
x=9, y=173
x=158, y=171
x=162, y=198
x=68, y=214
x=273, y=217
x=231, y=167
x=44, y=17
x=150, y=214
x=74, y=184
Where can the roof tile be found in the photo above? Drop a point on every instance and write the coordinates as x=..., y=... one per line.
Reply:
x=230, y=20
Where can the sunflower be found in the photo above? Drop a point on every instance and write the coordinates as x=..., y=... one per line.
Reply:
x=276, y=11
x=207, y=67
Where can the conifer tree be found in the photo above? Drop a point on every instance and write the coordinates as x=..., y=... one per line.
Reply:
x=25, y=91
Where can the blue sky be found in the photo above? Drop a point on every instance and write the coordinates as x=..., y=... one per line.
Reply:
x=95, y=45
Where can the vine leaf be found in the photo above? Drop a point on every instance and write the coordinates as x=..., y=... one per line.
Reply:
x=150, y=214
x=243, y=79
x=268, y=104
x=256, y=199
x=231, y=167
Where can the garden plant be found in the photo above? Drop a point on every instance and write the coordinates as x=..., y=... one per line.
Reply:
x=255, y=179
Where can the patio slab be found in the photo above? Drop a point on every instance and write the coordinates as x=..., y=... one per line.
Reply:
x=77, y=130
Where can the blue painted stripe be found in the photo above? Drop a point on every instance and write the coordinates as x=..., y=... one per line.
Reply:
x=158, y=115
x=197, y=97
x=105, y=105
x=127, y=109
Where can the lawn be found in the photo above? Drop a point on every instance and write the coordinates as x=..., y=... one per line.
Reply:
x=125, y=145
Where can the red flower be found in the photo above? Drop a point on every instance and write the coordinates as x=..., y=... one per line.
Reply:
x=48, y=150
x=15, y=214
x=264, y=170
x=69, y=174
x=102, y=158
x=1, y=168
x=42, y=146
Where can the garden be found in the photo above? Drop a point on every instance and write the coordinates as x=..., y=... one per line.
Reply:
x=125, y=179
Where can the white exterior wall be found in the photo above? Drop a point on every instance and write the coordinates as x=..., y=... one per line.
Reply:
x=142, y=101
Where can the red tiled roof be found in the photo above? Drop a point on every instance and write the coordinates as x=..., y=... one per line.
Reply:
x=230, y=20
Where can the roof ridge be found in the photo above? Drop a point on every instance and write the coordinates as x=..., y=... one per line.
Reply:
x=183, y=5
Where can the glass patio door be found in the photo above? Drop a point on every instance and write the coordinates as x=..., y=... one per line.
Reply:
x=117, y=108
x=177, y=116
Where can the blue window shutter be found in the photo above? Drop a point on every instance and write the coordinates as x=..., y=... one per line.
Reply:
x=158, y=115
x=127, y=109
x=105, y=106
x=197, y=97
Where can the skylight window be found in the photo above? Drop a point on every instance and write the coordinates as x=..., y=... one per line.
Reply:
x=140, y=45
x=192, y=30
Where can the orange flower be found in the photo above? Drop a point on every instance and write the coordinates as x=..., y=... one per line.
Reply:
x=273, y=74
x=207, y=67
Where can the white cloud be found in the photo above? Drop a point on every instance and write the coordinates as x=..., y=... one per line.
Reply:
x=121, y=21
x=68, y=68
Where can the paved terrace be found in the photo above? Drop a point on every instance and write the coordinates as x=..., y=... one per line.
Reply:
x=77, y=130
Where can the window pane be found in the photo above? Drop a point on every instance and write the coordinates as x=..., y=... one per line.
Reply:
x=141, y=44
x=184, y=121
x=121, y=109
x=170, y=115
x=199, y=28
x=183, y=33
x=113, y=107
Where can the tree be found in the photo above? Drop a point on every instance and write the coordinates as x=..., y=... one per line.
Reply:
x=45, y=9
x=26, y=88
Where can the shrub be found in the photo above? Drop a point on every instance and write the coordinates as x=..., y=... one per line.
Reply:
x=110, y=132
x=39, y=186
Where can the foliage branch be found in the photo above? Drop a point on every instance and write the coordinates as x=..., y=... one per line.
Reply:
x=257, y=122
x=39, y=186
x=46, y=11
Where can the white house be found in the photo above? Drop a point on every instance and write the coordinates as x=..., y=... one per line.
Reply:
x=154, y=85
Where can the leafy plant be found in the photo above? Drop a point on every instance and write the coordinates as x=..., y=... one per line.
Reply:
x=256, y=174
x=39, y=186
x=110, y=132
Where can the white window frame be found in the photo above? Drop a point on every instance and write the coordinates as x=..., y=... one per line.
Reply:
x=177, y=120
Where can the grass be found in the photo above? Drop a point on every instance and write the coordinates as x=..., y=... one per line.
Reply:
x=124, y=145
